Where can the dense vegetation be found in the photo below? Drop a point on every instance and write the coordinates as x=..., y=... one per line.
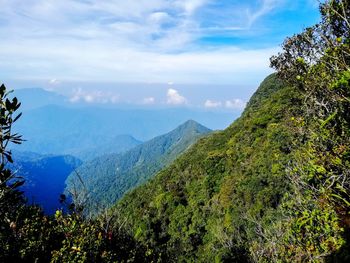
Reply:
x=102, y=181
x=273, y=187
x=27, y=235
x=217, y=195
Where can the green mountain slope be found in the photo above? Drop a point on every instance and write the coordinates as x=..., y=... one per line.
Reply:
x=209, y=203
x=108, y=177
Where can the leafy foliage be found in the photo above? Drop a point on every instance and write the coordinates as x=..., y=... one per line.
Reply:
x=10, y=197
x=211, y=202
x=275, y=185
x=317, y=61
x=27, y=235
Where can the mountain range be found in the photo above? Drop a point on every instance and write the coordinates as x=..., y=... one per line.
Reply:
x=51, y=124
x=32, y=98
x=107, y=178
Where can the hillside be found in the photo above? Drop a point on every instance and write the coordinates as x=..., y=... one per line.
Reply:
x=108, y=177
x=44, y=177
x=216, y=195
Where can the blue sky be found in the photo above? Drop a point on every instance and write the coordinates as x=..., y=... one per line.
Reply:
x=203, y=53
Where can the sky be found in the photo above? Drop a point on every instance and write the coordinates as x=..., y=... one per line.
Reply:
x=209, y=54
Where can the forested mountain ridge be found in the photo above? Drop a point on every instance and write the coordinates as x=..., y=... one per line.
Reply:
x=208, y=199
x=275, y=185
x=106, y=178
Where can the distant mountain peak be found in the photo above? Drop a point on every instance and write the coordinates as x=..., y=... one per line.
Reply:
x=192, y=125
x=110, y=176
x=191, y=122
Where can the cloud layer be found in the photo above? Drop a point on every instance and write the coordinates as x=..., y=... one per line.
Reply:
x=134, y=41
x=215, y=53
x=97, y=96
x=212, y=104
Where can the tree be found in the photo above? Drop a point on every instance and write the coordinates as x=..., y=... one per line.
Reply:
x=10, y=197
x=9, y=183
x=317, y=61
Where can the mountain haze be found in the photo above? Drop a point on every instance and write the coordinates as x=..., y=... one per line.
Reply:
x=32, y=98
x=102, y=146
x=61, y=130
x=52, y=124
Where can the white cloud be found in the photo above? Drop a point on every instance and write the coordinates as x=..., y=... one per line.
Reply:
x=190, y=6
x=149, y=100
x=80, y=95
x=76, y=96
x=89, y=98
x=160, y=17
x=124, y=41
x=237, y=104
x=212, y=104
x=54, y=81
x=105, y=61
x=174, y=97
